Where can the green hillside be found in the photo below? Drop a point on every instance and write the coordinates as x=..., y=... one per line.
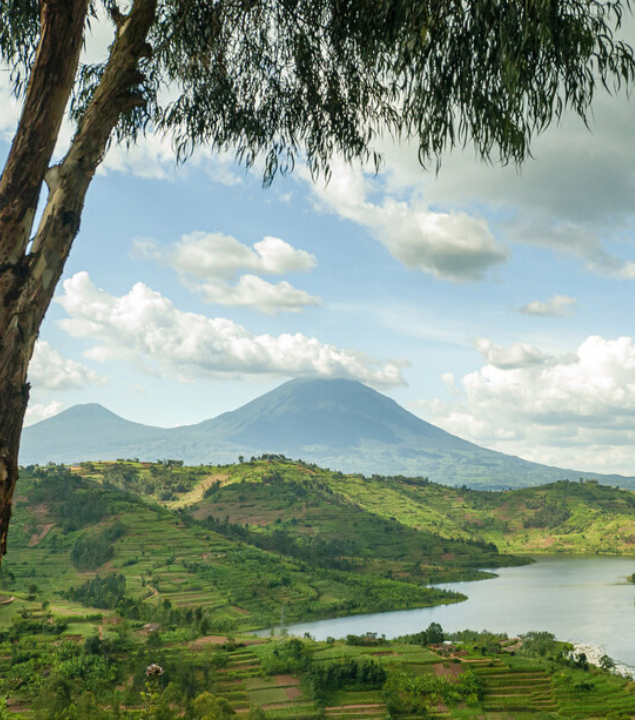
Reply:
x=278, y=497
x=114, y=566
x=68, y=530
x=565, y=516
x=244, y=545
x=119, y=670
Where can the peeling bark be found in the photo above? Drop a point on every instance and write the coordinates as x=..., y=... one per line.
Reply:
x=28, y=279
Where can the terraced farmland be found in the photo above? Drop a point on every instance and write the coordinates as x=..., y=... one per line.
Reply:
x=506, y=690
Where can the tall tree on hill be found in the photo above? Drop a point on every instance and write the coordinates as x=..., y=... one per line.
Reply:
x=269, y=78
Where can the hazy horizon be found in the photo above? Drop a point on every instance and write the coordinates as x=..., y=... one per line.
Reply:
x=492, y=302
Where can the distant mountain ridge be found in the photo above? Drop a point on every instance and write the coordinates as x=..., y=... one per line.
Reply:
x=336, y=423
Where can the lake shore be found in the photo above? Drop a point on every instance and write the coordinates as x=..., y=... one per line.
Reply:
x=595, y=653
x=580, y=599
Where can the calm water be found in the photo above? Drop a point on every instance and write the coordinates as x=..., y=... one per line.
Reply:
x=581, y=599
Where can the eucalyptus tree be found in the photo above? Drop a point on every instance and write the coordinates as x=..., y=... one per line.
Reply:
x=276, y=79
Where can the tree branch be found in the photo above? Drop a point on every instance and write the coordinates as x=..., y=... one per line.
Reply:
x=50, y=85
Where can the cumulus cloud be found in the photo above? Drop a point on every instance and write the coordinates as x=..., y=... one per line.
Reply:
x=574, y=195
x=252, y=291
x=37, y=412
x=145, y=328
x=557, y=306
x=449, y=245
x=576, y=410
x=517, y=356
x=153, y=157
x=48, y=370
x=208, y=263
x=214, y=254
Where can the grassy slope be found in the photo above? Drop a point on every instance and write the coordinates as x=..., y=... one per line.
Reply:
x=244, y=541
x=164, y=555
x=382, y=523
x=560, y=517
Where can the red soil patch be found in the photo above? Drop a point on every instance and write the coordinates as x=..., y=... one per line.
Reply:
x=220, y=639
x=209, y=640
x=547, y=542
x=442, y=670
x=293, y=693
x=285, y=680
x=240, y=610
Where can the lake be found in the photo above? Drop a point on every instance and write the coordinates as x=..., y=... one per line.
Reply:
x=583, y=599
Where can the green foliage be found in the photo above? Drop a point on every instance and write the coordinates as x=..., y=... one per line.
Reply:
x=323, y=679
x=550, y=515
x=406, y=693
x=369, y=639
x=91, y=551
x=286, y=657
x=333, y=76
x=441, y=72
x=105, y=592
x=110, y=679
x=540, y=644
x=283, y=534
x=210, y=707
x=432, y=635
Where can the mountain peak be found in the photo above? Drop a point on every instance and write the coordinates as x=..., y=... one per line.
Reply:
x=335, y=422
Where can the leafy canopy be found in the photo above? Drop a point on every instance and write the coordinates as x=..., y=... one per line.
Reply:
x=283, y=77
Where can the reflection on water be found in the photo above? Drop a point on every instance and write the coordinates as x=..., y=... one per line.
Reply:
x=578, y=598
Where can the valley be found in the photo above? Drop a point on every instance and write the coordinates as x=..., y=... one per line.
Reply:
x=270, y=536
x=168, y=563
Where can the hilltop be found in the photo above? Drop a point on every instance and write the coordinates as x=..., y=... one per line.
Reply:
x=336, y=423
x=248, y=539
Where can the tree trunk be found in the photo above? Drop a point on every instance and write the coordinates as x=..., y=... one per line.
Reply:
x=28, y=276
x=50, y=85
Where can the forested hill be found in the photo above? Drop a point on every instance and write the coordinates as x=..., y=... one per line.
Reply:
x=295, y=498
x=339, y=424
x=148, y=557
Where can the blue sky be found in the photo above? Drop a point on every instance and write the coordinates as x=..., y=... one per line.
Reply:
x=495, y=303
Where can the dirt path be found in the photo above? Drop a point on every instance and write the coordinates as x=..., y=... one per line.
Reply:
x=196, y=495
x=37, y=538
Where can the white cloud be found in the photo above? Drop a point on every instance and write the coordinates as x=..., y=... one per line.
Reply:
x=145, y=328
x=557, y=306
x=37, y=412
x=449, y=245
x=206, y=262
x=252, y=291
x=153, y=157
x=577, y=410
x=574, y=195
x=48, y=370
x=205, y=255
x=517, y=356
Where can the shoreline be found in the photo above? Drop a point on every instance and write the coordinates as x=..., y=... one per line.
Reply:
x=594, y=654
